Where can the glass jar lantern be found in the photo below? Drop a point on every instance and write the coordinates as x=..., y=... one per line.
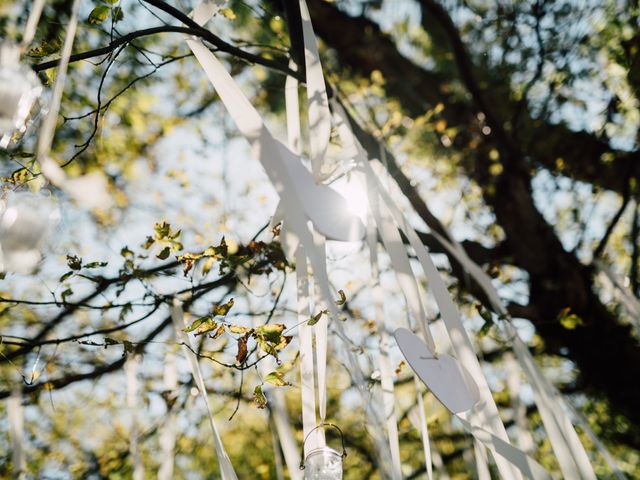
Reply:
x=20, y=92
x=323, y=463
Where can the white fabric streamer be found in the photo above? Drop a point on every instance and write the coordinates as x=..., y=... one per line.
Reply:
x=320, y=331
x=482, y=462
x=47, y=130
x=16, y=433
x=523, y=433
x=307, y=382
x=388, y=394
x=487, y=413
x=286, y=435
x=32, y=22
x=90, y=191
x=319, y=114
x=131, y=373
x=516, y=457
x=400, y=261
x=629, y=301
x=573, y=459
x=167, y=437
x=424, y=429
x=179, y=323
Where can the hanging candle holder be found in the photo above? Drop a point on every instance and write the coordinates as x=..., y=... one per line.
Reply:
x=20, y=93
x=323, y=463
x=26, y=219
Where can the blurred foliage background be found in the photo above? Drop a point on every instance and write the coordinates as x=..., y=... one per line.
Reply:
x=512, y=123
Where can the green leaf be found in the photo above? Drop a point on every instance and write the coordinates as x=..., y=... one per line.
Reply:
x=199, y=323
x=227, y=13
x=343, y=298
x=148, y=243
x=96, y=264
x=126, y=252
x=569, y=320
x=99, y=15
x=316, y=318
x=128, y=308
x=117, y=14
x=218, y=332
x=66, y=276
x=222, y=309
x=65, y=294
x=271, y=333
x=46, y=48
x=289, y=365
x=164, y=253
x=74, y=262
x=276, y=378
x=259, y=399
x=162, y=229
x=239, y=329
x=129, y=347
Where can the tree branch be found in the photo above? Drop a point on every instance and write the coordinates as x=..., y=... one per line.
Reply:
x=197, y=31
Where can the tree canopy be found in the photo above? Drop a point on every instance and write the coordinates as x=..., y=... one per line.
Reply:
x=510, y=127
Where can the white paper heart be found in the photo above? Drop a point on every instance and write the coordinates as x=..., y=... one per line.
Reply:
x=444, y=376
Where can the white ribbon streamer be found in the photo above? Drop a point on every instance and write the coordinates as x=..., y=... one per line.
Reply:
x=285, y=433
x=482, y=463
x=179, y=323
x=49, y=123
x=167, y=437
x=527, y=466
x=319, y=114
x=523, y=434
x=131, y=373
x=629, y=301
x=424, y=429
x=307, y=382
x=90, y=191
x=32, y=22
x=572, y=458
x=394, y=247
x=388, y=394
x=488, y=411
x=320, y=331
x=16, y=432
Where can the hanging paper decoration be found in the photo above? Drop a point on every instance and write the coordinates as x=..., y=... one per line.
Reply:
x=20, y=91
x=25, y=222
x=442, y=374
